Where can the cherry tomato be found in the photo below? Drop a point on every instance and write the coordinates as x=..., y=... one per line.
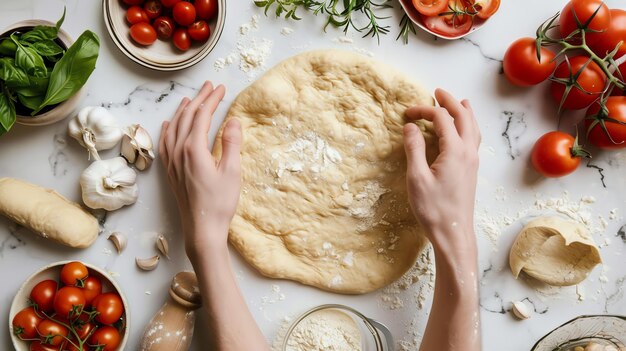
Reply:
x=71, y=347
x=109, y=307
x=69, y=302
x=92, y=288
x=133, y=2
x=199, y=31
x=605, y=42
x=84, y=328
x=591, y=79
x=184, y=13
x=554, y=155
x=485, y=8
x=51, y=332
x=164, y=27
x=106, y=336
x=136, y=14
x=38, y=346
x=43, y=295
x=74, y=273
x=584, y=9
x=153, y=8
x=169, y=3
x=181, y=39
x=205, y=9
x=25, y=323
x=521, y=65
x=430, y=7
x=143, y=33
x=615, y=128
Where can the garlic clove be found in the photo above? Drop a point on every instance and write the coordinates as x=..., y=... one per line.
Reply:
x=143, y=140
x=119, y=241
x=163, y=246
x=128, y=151
x=520, y=310
x=143, y=161
x=137, y=147
x=147, y=264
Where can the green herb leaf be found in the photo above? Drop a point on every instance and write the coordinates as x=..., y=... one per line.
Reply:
x=7, y=110
x=8, y=48
x=47, y=48
x=28, y=59
x=12, y=75
x=30, y=102
x=43, y=33
x=72, y=70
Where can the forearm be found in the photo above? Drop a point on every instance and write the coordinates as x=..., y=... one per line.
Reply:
x=230, y=323
x=454, y=323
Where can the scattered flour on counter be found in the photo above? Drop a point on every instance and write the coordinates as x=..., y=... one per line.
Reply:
x=420, y=280
x=275, y=296
x=286, y=31
x=344, y=40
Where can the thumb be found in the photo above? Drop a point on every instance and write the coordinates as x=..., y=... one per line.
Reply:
x=231, y=147
x=415, y=148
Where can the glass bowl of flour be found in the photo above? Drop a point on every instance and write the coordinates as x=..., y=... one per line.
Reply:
x=336, y=328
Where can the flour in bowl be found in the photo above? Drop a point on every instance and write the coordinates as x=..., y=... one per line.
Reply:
x=325, y=330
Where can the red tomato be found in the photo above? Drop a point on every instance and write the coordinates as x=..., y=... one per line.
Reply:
x=106, y=336
x=181, y=39
x=25, y=323
x=71, y=347
x=199, y=31
x=615, y=128
x=164, y=27
x=184, y=13
x=83, y=330
x=133, y=2
x=74, y=273
x=169, y=3
x=51, y=332
x=605, y=42
x=109, y=307
x=430, y=7
x=584, y=9
x=591, y=79
x=205, y=9
x=43, y=295
x=554, y=155
x=38, y=346
x=486, y=8
x=136, y=14
x=92, y=288
x=143, y=33
x=521, y=65
x=153, y=8
x=69, y=302
x=449, y=26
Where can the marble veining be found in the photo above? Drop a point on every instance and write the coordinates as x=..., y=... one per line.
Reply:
x=58, y=158
x=148, y=93
x=12, y=241
x=480, y=50
x=515, y=128
x=600, y=172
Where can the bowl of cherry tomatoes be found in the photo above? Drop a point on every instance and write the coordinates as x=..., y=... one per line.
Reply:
x=165, y=35
x=450, y=19
x=69, y=306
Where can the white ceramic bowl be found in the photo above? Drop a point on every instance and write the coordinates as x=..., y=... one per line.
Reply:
x=414, y=16
x=52, y=271
x=604, y=330
x=162, y=55
x=64, y=109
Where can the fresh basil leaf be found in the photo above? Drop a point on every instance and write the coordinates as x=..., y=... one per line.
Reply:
x=37, y=86
x=30, y=102
x=61, y=20
x=8, y=48
x=43, y=33
x=72, y=70
x=12, y=75
x=7, y=111
x=28, y=59
x=47, y=48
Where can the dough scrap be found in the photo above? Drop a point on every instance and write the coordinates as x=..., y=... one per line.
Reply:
x=324, y=198
x=555, y=251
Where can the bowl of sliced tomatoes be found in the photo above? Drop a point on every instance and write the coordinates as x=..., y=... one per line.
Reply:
x=69, y=306
x=450, y=19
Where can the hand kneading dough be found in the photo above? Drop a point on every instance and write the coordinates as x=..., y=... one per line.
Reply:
x=47, y=213
x=554, y=251
x=324, y=198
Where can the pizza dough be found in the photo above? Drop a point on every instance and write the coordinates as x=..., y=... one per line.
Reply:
x=555, y=251
x=323, y=198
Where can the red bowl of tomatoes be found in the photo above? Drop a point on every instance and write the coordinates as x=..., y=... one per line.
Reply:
x=165, y=35
x=69, y=306
x=450, y=19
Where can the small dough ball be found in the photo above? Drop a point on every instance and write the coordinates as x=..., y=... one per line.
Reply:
x=555, y=251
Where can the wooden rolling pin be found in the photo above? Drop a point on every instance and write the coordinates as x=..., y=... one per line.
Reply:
x=171, y=328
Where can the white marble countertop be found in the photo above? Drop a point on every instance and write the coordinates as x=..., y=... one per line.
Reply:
x=509, y=192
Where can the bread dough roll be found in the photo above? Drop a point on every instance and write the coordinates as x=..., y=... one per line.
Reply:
x=47, y=213
x=555, y=251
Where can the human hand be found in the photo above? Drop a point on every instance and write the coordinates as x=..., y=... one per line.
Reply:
x=442, y=195
x=207, y=190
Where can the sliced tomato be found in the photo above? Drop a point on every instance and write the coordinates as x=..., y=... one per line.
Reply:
x=485, y=8
x=430, y=7
x=449, y=25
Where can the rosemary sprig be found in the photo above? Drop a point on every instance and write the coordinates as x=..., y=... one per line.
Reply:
x=406, y=27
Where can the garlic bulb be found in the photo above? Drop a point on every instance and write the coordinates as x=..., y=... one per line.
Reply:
x=95, y=128
x=109, y=184
x=137, y=147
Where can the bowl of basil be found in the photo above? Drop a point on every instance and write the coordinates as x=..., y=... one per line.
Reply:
x=43, y=72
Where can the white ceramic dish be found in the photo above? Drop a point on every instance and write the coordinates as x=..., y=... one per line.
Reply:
x=62, y=110
x=162, y=55
x=414, y=16
x=603, y=330
x=52, y=271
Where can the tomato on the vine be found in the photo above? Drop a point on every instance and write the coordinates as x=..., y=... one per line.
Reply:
x=43, y=295
x=51, y=332
x=556, y=154
x=74, y=273
x=603, y=43
x=164, y=27
x=153, y=8
x=92, y=288
x=39, y=346
x=485, y=8
x=184, y=13
x=109, y=307
x=25, y=323
x=521, y=65
x=205, y=9
x=133, y=2
x=69, y=302
x=591, y=79
x=143, y=33
x=430, y=7
x=84, y=328
x=199, y=31
x=181, y=39
x=170, y=3
x=107, y=337
x=583, y=11
x=614, y=136
x=136, y=14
